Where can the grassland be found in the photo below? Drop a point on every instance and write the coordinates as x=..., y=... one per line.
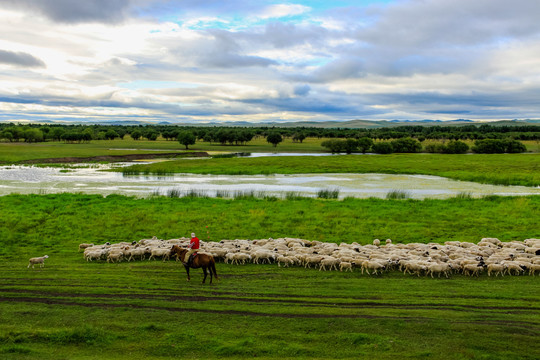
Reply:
x=18, y=151
x=15, y=152
x=72, y=309
x=498, y=169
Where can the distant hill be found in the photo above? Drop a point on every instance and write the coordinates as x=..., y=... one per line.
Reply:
x=373, y=124
x=350, y=124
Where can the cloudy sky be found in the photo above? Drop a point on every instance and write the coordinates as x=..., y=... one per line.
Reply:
x=244, y=60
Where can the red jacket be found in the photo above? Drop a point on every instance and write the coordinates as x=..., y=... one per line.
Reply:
x=194, y=243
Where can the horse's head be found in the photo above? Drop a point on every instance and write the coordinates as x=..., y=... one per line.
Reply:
x=175, y=249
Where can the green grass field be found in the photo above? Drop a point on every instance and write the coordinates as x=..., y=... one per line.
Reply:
x=72, y=309
x=498, y=169
x=18, y=151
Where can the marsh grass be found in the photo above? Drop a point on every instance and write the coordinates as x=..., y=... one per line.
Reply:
x=464, y=195
x=231, y=155
x=293, y=195
x=398, y=195
x=223, y=193
x=328, y=194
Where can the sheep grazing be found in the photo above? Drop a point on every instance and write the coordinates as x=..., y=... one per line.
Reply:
x=345, y=265
x=496, y=268
x=84, y=246
x=421, y=259
x=37, y=260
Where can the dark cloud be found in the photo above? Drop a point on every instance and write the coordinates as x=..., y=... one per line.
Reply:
x=74, y=11
x=466, y=99
x=302, y=90
x=114, y=11
x=20, y=59
x=420, y=23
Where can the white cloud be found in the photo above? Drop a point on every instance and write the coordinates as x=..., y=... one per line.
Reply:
x=283, y=10
x=407, y=58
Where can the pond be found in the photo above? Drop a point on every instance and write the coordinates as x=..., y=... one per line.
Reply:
x=92, y=180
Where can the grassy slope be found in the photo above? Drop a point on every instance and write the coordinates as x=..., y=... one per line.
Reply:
x=499, y=169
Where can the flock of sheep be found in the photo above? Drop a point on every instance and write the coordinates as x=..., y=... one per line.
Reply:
x=490, y=255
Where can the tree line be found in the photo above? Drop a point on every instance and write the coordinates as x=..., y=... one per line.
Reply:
x=392, y=139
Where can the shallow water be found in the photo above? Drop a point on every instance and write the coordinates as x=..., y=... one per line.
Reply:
x=90, y=180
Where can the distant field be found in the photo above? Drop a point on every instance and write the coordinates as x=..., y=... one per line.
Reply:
x=15, y=152
x=72, y=309
x=498, y=169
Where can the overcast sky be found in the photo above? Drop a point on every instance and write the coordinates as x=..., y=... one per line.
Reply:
x=264, y=60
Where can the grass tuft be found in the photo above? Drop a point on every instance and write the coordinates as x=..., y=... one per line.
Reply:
x=328, y=194
x=398, y=195
x=464, y=195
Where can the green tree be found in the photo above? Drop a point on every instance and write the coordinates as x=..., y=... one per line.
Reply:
x=111, y=134
x=514, y=146
x=56, y=133
x=6, y=134
x=364, y=144
x=186, y=138
x=136, y=134
x=299, y=136
x=382, y=147
x=455, y=147
x=406, y=145
x=33, y=135
x=274, y=138
x=335, y=146
x=489, y=146
x=350, y=145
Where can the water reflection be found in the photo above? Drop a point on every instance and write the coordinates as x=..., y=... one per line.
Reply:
x=90, y=180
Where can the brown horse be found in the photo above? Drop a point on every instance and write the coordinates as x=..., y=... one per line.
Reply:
x=203, y=261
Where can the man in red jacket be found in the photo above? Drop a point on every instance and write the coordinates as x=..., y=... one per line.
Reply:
x=193, y=247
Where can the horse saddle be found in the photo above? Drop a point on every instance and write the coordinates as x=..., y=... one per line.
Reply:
x=191, y=257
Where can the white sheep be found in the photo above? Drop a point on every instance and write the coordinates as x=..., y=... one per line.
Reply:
x=84, y=246
x=472, y=269
x=496, y=268
x=372, y=265
x=533, y=269
x=161, y=252
x=37, y=260
x=345, y=265
x=330, y=262
x=439, y=268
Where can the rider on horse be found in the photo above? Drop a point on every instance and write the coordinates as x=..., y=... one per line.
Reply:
x=193, y=247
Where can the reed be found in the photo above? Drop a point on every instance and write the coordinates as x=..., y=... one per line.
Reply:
x=398, y=195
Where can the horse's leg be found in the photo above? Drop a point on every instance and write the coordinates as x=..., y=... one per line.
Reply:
x=205, y=274
x=187, y=271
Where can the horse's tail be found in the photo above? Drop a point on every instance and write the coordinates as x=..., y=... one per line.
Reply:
x=213, y=267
